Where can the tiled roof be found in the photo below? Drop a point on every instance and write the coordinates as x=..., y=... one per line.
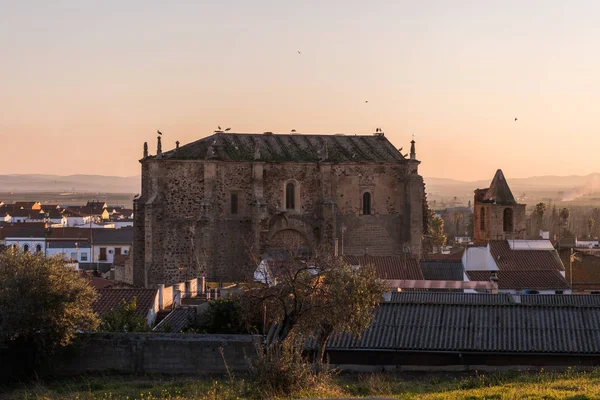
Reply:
x=176, y=320
x=479, y=328
x=450, y=298
x=524, y=280
x=455, y=255
x=69, y=233
x=280, y=147
x=23, y=230
x=389, y=267
x=442, y=270
x=108, y=299
x=524, y=260
x=498, y=192
x=586, y=271
x=113, y=236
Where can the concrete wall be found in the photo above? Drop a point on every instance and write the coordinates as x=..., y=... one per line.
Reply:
x=151, y=353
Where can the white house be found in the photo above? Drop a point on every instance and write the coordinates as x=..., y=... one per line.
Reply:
x=70, y=250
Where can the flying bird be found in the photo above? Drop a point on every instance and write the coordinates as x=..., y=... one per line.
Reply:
x=366, y=101
x=227, y=129
x=515, y=119
x=299, y=52
x=159, y=132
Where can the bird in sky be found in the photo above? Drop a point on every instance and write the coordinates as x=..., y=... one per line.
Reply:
x=366, y=101
x=227, y=129
x=159, y=132
x=299, y=52
x=293, y=130
x=515, y=119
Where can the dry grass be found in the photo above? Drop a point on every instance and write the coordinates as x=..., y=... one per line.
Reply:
x=568, y=384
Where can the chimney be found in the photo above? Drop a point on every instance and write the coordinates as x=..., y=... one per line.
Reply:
x=413, y=153
x=158, y=147
x=494, y=281
x=145, y=149
x=177, y=145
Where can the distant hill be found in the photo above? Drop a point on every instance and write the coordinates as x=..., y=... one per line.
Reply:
x=575, y=185
x=70, y=183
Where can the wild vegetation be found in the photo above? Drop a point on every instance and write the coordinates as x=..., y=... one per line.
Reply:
x=570, y=384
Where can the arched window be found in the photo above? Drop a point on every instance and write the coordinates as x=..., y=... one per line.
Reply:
x=38, y=248
x=25, y=248
x=366, y=203
x=508, y=220
x=290, y=194
x=482, y=219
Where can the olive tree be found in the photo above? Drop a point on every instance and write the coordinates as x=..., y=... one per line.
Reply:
x=43, y=303
x=315, y=296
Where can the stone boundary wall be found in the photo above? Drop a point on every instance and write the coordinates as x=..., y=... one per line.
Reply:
x=155, y=353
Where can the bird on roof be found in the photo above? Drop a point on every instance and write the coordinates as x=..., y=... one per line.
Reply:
x=293, y=130
x=219, y=127
x=227, y=129
x=136, y=196
x=159, y=132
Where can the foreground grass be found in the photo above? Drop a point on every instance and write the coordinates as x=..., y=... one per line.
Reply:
x=570, y=384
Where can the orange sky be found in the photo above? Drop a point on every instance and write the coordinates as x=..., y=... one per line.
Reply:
x=84, y=85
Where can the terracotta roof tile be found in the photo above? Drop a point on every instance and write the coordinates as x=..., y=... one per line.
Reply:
x=389, y=267
x=523, y=280
x=108, y=299
x=523, y=260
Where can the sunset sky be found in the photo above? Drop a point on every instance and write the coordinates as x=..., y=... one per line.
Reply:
x=85, y=83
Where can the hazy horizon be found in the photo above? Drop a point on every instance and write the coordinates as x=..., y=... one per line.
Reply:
x=87, y=83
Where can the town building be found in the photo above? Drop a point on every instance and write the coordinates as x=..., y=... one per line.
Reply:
x=496, y=213
x=206, y=206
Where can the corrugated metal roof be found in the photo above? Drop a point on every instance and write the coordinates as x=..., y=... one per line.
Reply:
x=389, y=267
x=437, y=270
x=582, y=300
x=479, y=328
x=450, y=298
x=176, y=320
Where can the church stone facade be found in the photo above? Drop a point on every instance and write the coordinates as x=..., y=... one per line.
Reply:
x=206, y=207
x=496, y=213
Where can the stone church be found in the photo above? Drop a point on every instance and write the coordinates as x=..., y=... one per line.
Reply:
x=496, y=213
x=205, y=207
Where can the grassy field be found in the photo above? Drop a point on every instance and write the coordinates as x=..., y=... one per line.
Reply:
x=568, y=384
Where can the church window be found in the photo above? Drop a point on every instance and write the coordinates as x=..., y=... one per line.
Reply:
x=482, y=219
x=366, y=203
x=234, y=203
x=26, y=248
x=508, y=220
x=290, y=194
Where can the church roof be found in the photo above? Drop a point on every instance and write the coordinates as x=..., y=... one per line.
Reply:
x=499, y=192
x=271, y=147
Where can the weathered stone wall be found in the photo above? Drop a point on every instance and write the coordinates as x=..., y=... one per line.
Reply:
x=155, y=353
x=494, y=222
x=190, y=231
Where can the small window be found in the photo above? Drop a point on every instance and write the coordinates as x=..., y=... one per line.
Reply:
x=234, y=203
x=290, y=193
x=84, y=257
x=482, y=219
x=366, y=203
x=38, y=248
x=26, y=248
x=508, y=220
x=74, y=256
